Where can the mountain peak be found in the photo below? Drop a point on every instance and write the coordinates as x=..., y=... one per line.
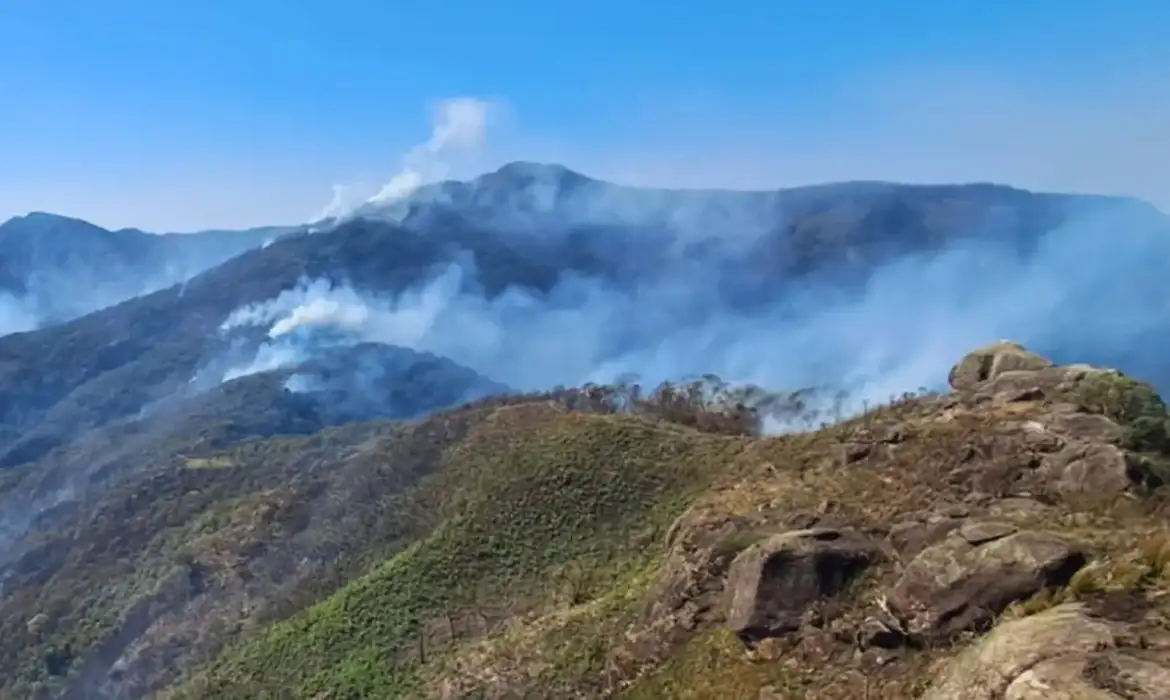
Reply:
x=40, y=223
x=515, y=186
x=525, y=172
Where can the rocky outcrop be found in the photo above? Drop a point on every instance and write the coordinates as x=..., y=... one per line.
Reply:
x=1049, y=437
x=1089, y=435
x=772, y=584
x=920, y=533
x=1085, y=468
x=1060, y=654
x=1007, y=371
x=993, y=361
x=1091, y=438
x=976, y=571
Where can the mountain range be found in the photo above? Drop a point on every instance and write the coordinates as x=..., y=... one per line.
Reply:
x=464, y=443
x=54, y=268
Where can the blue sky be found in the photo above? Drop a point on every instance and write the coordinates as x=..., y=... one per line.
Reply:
x=188, y=114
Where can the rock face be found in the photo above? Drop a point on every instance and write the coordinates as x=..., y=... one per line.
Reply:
x=992, y=361
x=1042, y=447
x=1060, y=654
x=1088, y=468
x=773, y=583
x=1007, y=371
x=974, y=573
x=1048, y=446
x=1092, y=418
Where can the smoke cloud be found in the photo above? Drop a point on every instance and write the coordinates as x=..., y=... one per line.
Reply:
x=54, y=268
x=15, y=315
x=55, y=297
x=344, y=200
x=458, y=127
x=1092, y=290
x=458, y=124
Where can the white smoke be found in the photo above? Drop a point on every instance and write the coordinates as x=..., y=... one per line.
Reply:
x=458, y=128
x=16, y=315
x=345, y=199
x=407, y=321
x=269, y=356
x=458, y=124
x=1082, y=295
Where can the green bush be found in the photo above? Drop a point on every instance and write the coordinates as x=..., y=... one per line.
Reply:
x=1132, y=404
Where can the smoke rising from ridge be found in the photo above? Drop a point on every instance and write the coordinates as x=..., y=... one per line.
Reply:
x=58, y=297
x=54, y=268
x=342, y=202
x=15, y=315
x=1090, y=290
x=458, y=125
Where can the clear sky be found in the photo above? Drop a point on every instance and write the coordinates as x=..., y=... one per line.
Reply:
x=186, y=114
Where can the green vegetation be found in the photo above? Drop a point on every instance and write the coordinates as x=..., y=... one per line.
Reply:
x=534, y=492
x=1143, y=415
x=1132, y=404
x=265, y=529
x=711, y=665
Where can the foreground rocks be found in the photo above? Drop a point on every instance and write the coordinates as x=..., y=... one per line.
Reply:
x=773, y=584
x=1061, y=653
x=976, y=569
x=991, y=362
x=981, y=567
x=1055, y=447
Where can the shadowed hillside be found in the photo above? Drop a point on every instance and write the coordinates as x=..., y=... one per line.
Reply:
x=341, y=385
x=54, y=268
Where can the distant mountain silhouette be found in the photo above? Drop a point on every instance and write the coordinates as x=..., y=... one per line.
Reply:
x=53, y=268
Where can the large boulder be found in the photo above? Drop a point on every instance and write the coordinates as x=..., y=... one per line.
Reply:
x=980, y=568
x=987, y=363
x=1082, y=469
x=1059, y=654
x=773, y=583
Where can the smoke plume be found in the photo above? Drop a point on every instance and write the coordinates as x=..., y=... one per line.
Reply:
x=15, y=315
x=1090, y=290
x=458, y=126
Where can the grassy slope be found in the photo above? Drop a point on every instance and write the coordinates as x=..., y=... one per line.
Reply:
x=553, y=537
x=337, y=499
x=538, y=505
x=271, y=526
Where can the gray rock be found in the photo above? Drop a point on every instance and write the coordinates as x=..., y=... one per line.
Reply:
x=955, y=585
x=772, y=583
x=992, y=361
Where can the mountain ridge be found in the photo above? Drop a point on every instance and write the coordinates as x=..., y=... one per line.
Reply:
x=53, y=267
x=179, y=326
x=518, y=175
x=359, y=251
